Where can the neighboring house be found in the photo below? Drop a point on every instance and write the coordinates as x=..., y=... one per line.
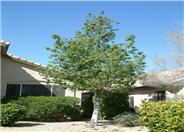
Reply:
x=20, y=77
x=159, y=86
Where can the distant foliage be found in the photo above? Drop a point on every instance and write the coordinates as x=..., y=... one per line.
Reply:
x=10, y=113
x=163, y=116
x=174, y=57
x=127, y=119
x=113, y=104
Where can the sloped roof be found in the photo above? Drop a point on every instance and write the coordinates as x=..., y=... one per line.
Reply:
x=24, y=60
x=170, y=80
x=4, y=48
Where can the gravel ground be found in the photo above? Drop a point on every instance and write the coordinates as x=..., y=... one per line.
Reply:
x=78, y=126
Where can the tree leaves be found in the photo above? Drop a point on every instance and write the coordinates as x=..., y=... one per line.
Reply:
x=90, y=61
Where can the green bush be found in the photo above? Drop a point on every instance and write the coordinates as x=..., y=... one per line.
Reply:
x=163, y=116
x=113, y=104
x=6, y=99
x=55, y=108
x=11, y=113
x=127, y=119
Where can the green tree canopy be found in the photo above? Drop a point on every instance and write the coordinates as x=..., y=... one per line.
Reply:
x=92, y=61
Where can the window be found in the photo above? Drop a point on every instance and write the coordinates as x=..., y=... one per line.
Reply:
x=13, y=90
x=161, y=95
x=35, y=90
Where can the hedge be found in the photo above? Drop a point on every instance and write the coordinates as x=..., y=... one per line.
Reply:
x=163, y=116
x=11, y=113
x=7, y=99
x=43, y=108
x=112, y=104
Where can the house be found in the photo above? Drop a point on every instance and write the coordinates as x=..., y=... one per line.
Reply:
x=159, y=86
x=20, y=77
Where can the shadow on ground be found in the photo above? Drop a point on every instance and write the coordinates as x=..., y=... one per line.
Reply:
x=104, y=123
x=27, y=124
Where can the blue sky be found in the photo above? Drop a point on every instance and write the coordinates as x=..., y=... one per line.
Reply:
x=29, y=26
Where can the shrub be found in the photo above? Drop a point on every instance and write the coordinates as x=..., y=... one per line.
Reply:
x=163, y=116
x=11, y=113
x=55, y=108
x=7, y=99
x=113, y=104
x=127, y=119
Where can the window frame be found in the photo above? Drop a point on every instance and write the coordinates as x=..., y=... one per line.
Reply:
x=21, y=88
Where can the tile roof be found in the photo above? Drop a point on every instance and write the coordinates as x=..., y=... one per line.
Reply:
x=24, y=60
x=4, y=48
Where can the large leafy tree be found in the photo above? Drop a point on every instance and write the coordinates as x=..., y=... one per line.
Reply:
x=92, y=61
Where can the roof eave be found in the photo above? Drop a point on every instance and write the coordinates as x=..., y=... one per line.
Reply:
x=28, y=62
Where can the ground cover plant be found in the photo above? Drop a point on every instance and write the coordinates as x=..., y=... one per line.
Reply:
x=127, y=119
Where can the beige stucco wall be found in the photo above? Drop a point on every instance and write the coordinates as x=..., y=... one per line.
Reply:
x=15, y=72
x=140, y=95
x=144, y=94
x=71, y=93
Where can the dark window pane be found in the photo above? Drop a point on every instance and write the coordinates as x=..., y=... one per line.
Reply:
x=58, y=91
x=161, y=95
x=13, y=90
x=35, y=90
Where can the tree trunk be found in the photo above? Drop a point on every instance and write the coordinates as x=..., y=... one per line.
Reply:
x=94, y=118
